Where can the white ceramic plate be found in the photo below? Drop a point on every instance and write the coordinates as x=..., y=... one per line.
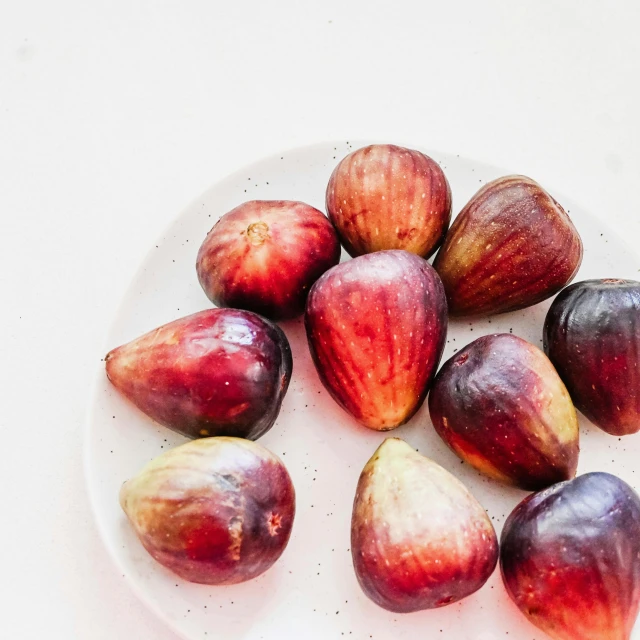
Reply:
x=312, y=592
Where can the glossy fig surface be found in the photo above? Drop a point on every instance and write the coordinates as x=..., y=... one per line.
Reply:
x=376, y=327
x=570, y=558
x=264, y=255
x=214, y=510
x=388, y=197
x=500, y=405
x=510, y=247
x=419, y=539
x=216, y=372
x=592, y=336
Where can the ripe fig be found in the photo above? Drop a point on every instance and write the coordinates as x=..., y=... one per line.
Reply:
x=376, y=327
x=217, y=372
x=264, y=256
x=592, y=336
x=510, y=247
x=214, y=510
x=419, y=539
x=500, y=405
x=570, y=558
x=387, y=197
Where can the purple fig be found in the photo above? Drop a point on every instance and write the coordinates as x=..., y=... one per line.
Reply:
x=592, y=336
x=419, y=539
x=376, y=327
x=216, y=372
x=500, y=405
x=213, y=511
x=511, y=246
x=570, y=558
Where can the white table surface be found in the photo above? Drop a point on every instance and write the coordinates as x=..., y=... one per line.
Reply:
x=115, y=114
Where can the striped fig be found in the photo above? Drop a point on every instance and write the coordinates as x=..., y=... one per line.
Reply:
x=510, y=247
x=419, y=539
x=500, y=405
x=592, y=336
x=388, y=197
x=376, y=327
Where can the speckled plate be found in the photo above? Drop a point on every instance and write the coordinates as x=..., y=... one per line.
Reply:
x=312, y=592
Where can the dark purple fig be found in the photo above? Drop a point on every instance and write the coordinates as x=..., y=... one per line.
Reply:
x=216, y=372
x=501, y=406
x=376, y=327
x=388, y=197
x=264, y=255
x=419, y=539
x=213, y=511
x=592, y=336
x=570, y=558
x=511, y=246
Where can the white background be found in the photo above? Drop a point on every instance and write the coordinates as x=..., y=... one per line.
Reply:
x=114, y=115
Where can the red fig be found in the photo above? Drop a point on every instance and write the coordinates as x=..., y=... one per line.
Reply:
x=419, y=539
x=216, y=372
x=570, y=558
x=376, y=327
x=501, y=406
x=511, y=247
x=213, y=511
x=388, y=197
x=264, y=256
x=592, y=336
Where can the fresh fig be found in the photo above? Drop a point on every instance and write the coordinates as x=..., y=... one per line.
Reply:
x=388, y=197
x=216, y=372
x=214, y=510
x=500, y=405
x=592, y=336
x=264, y=256
x=419, y=539
x=570, y=558
x=510, y=247
x=376, y=327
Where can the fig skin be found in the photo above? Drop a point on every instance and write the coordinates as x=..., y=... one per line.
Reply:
x=264, y=255
x=570, y=558
x=500, y=405
x=376, y=327
x=219, y=372
x=214, y=510
x=510, y=247
x=419, y=539
x=388, y=197
x=592, y=336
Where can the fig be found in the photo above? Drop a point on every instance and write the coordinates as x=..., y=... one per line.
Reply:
x=419, y=539
x=500, y=405
x=592, y=336
x=510, y=247
x=220, y=372
x=388, y=197
x=264, y=256
x=376, y=327
x=570, y=558
x=214, y=510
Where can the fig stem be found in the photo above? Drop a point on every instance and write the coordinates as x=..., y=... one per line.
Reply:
x=257, y=232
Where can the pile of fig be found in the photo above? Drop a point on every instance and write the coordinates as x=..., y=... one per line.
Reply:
x=220, y=509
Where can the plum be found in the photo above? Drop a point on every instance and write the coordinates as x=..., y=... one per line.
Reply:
x=264, y=255
x=570, y=558
x=388, y=197
x=510, y=247
x=419, y=539
x=500, y=405
x=214, y=510
x=219, y=372
x=376, y=327
x=592, y=336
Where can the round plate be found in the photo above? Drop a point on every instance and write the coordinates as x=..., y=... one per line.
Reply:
x=312, y=591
